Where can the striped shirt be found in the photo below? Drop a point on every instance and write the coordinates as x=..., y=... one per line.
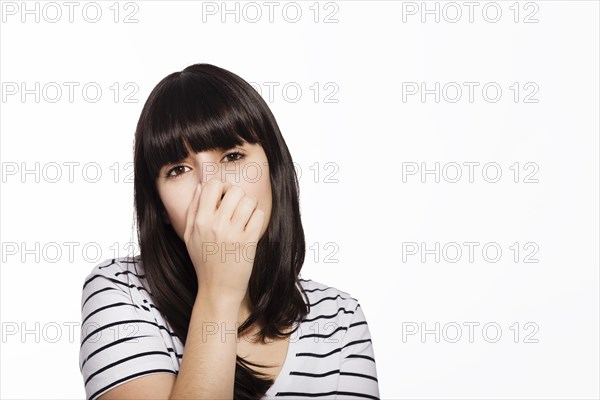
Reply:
x=124, y=336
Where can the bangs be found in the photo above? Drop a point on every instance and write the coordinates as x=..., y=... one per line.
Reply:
x=188, y=111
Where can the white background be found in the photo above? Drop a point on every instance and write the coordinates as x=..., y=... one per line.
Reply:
x=370, y=135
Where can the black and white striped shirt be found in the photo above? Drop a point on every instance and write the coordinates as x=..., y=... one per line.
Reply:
x=124, y=336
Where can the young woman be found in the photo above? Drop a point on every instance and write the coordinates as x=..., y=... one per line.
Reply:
x=214, y=305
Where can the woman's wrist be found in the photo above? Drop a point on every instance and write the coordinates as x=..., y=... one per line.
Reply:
x=218, y=305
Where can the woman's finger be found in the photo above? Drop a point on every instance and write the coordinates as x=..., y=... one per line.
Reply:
x=191, y=213
x=229, y=202
x=212, y=192
x=255, y=223
x=243, y=212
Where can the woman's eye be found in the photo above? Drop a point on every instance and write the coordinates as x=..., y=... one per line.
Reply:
x=236, y=154
x=178, y=168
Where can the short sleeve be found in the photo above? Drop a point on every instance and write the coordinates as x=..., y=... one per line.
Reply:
x=120, y=338
x=358, y=373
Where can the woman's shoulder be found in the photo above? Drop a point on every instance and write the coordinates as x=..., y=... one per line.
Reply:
x=116, y=267
x=122, y=273
x=321, y=290
x=334, y=319
x=325, y=299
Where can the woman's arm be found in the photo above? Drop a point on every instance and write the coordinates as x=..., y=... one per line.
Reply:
x=211, y=349
x=358, y=372
x=208, y=365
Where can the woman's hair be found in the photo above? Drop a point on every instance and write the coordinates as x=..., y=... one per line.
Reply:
x=205, y=107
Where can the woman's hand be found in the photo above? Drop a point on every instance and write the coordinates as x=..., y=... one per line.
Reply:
x=222, y=230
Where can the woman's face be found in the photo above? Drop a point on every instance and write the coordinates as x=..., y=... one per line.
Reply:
x=244, y=165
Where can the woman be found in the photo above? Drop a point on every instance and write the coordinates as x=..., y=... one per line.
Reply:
x=221, y=250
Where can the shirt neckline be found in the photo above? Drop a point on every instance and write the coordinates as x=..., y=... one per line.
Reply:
x=287, y=364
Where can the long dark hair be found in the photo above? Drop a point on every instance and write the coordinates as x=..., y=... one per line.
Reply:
x=207, y=107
